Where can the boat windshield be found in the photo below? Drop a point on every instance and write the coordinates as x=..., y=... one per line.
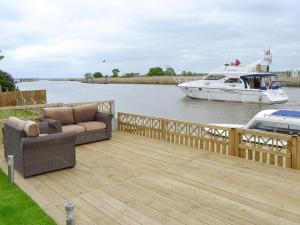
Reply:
x=269, y=126
x=214, y=77
x=261, y=81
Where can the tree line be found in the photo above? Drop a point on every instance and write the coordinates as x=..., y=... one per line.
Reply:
x=153, y=71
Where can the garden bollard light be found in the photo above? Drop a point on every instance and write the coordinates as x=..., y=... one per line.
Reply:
x=10, y=162
x=70, y=220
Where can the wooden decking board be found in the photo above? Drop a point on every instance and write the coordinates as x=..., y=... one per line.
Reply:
x=157, y=212
x=234, y=181
x=137, y=180
x=158, y=202
x=212, y=202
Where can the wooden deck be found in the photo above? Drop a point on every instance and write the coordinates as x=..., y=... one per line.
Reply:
x=137, y=180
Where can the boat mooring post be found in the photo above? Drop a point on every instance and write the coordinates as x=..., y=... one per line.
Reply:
x=70, y=218
x=10, y=163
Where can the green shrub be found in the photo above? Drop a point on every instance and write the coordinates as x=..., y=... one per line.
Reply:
x=170, y=71
x=7, y=82
x=115, y=72
x=155, y=71
x=98, y=75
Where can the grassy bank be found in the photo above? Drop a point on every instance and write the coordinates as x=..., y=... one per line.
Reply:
x=18, y=208
x=20, y=113
x=171, y=80
x=4, y=114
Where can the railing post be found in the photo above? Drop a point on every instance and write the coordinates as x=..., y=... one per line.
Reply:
x=163, y=129
x=113, y=111
x=10, y=172
x=231, y=140
x=237, y=140
x=295, y=151
x=118, y=121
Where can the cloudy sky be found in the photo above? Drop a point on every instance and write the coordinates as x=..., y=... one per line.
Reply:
x=66, y=38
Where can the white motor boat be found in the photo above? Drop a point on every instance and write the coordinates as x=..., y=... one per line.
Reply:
x=283, y=121
x=239, y=83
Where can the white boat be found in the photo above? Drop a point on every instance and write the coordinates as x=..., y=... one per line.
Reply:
x=283, y=121
x=239, y=83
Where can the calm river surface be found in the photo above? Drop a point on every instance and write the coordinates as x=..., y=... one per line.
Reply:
x=157, y=100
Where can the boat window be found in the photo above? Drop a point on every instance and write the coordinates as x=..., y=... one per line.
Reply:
x=282, y=128
x=214, y=77
x=233, y=80
x=275, y=84
x=263, y=125
x=253, y=82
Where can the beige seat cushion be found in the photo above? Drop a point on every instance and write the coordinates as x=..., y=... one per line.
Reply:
x=31, y=128
x=85, y=113
x=63, y=114
x=16, y=122
x=73, y=128
x=93, y=125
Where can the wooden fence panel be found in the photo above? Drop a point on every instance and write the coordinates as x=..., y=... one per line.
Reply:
x=264, y=147
x=12, y=98
x=200, y=136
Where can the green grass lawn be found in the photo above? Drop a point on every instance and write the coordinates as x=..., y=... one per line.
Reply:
x=21, y=113
x=17, y=113
x=17, y=208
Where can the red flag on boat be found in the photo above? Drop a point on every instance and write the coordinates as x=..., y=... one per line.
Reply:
x=237, y=62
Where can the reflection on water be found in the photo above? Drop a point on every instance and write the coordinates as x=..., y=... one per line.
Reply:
x=157, y=100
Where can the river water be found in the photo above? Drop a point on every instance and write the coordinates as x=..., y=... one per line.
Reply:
x=157, y=100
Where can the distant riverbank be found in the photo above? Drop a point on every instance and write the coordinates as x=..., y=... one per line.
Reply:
x=289, y=81
x=167, y=80
x=285, y=80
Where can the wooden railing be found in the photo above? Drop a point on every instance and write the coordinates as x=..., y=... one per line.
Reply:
x=34, y=112
x=22, y=98
x=276, y=149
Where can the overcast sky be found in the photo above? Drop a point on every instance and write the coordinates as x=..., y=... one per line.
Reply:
x=66, y=38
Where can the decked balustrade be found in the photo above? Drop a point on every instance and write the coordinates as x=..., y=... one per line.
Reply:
x=276, y=149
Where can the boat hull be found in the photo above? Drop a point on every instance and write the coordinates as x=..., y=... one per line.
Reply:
x=236, y=95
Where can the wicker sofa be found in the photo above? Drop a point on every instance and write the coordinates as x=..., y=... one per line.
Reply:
x=34, y=150
x=85, y=120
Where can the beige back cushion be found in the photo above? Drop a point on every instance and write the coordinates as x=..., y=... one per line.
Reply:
x=16, y=122
x=31, y=128
x=85, y=113
x=63, y=114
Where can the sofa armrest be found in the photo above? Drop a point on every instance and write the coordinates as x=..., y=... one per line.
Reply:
x=53, y=125
x=44, y=127
x=101, y=116
x=12, y=139
x=105, y=118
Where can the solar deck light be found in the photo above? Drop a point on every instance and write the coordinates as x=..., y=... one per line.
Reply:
x=10, y=162
x=70, y=220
